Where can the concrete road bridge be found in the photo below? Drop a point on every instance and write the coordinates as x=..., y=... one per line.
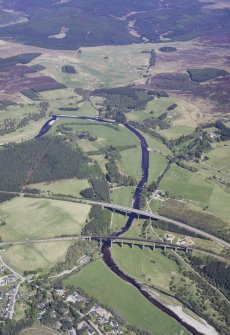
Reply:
x=131, y=241
x=139, y=214
x=141, y=242
x=147, y=214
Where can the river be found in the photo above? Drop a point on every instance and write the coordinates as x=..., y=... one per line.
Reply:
x=107, y=256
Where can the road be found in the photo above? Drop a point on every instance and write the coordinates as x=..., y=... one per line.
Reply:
x=151, y=215
x=140, y=212
x=10, y=269
x=141, y=241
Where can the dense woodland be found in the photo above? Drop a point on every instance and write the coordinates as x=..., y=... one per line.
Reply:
x=99, y=190
x=202, y=220
x=152, y=20
x=200, y=75
x=41, y=160
x=18, y=59
x=98, y=223
x=113, y=174
x=121, y=100
x=216, y=271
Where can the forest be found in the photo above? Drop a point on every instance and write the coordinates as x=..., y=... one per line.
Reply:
x=216, y=271
x=18, y=59
x=40, y=160
x=121, y=100
x=200, y=75
x=98, y=222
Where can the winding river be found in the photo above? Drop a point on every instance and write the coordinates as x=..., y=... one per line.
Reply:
x=107, y=256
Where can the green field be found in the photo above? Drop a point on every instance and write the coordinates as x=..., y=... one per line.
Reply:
x=130, y=163
x=219, y=157
x=157, y=163
x=98, y=281
x=188, y=185
x=99, y=66
x=176, y=131
x=68, y=187
x=118, y=221
x=34, y=257
x=158, y=106
x=29, y=218
x=122, y=195
x=106, y=135
x=200, y=191
x=155, y=145
x=155, y=205
x=147, y=266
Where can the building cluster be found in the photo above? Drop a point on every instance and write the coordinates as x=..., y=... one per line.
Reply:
x=8, y=292
x=79, y=314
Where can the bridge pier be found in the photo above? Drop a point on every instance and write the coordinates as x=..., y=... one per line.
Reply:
x=132, y=245
x=154, y=247
x=111, y=243
x=165, y=247
x=175, y=249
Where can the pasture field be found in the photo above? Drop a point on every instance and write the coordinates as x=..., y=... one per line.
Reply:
x=97, y=280
x=23, y=134
x=130, y=163
x=219, y=157
x=69, y=187
x=219, y=203
x=29, y=218
x=107, y=66
x=135, y=229
x=187, y=185
x=36, y=257
x=155, y=205
x=155, y=145
x=106, y=135
x=122, y=195
x=176, y=131
x=158, y=106
x=99, y=158
x=18, y=112
x=148, y=266
x=198, y=190
x=117, y=221
x=157, y=163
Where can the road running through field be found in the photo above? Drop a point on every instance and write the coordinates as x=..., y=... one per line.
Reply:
x=107, y=256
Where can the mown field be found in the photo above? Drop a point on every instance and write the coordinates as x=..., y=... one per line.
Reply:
x=97, y=280
x=39, y=257
x=122, y=195
x=219, y=157
x=147, y=266
x=201, y=190
x=28, y=218
x=106, y=135
x=67, y=187
x=130, y=163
